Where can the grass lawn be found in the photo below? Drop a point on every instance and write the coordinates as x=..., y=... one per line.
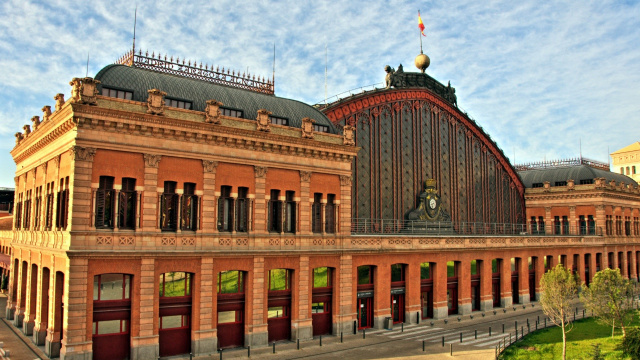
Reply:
x=547, y=344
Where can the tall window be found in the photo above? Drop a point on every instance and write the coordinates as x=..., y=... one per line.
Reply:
x=290, y=212
x=19, y=211
x=225, y=209
x=37, y=221
x=169, y=207
x=242, y=210
x=316, y=213
x=127, y=204
x=397, y=272
x=425, y=271
x=105, y=200
x=275, y=212
x=49, y=207
x=189, y=208
x=330, y=214
x=27, y=210
x=62, y=205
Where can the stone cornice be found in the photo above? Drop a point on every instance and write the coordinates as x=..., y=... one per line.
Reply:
x=576, y=195
x=27, y=148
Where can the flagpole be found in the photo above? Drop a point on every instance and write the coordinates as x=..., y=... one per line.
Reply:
x=420, y=34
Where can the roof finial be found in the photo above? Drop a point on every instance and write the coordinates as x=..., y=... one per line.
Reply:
x=135, y=21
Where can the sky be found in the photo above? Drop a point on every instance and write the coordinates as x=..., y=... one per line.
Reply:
x=543, y=78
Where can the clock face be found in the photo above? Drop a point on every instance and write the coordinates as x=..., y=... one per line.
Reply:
x=432, y=203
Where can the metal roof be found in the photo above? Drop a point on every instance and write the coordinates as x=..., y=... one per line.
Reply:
x=575, y=173
x=139, y=81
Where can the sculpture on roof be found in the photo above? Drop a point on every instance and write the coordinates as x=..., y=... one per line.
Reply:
x=387, y=79
x=430, y=208
x=450, y=95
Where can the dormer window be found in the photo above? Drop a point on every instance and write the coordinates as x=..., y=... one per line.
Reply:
x=537, y=185
x=231, y=112
x=560, y=183
x=118, y=94
x=586, y=181
x=180, y=104
x=320, y=128
x=278, y=120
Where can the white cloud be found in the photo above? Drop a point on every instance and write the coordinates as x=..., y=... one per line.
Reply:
x=538, y=76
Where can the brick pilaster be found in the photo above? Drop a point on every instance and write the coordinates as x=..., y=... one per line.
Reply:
x=209, y=203
x=260, y=212
x=75, y=309
x=150, y=194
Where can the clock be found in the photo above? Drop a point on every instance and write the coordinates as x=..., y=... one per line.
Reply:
x=432, y=203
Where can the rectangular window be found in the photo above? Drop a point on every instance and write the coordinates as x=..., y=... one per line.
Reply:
x=321, y=277
x=278, y=120
x=111, y=287
x=225, y=209
x=242, y=210
x=175, y=284
x=118, y=94
x=275, y=212
x=127, y=204
x=586, y=181
x=557, y=225
x=228, y=317
x=290, y=213
x=180, y=104
x=231, y=112
x=49, y=207
x=320, y=128
x=278, y=312
x=537, y=185
x=174, y=322
x=279, y=279
x=495, y=266
x=330, y=214
x=169, y=207
x=105, y=200
x=62, y=205
x=27, y=210
x=316, y=213
x=107, y=327
x=560, y=183
x=397, y=272
x=37, y=209
x=318, y=308
x=365, y=275
x=230, y=282
x=189, y=218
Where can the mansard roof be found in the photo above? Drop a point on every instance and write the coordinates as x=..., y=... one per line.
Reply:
x=139, y=81
x=575, y=173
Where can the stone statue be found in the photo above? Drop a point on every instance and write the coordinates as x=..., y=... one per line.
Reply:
x=450, y=94
x=429, y=207
x=387, y=80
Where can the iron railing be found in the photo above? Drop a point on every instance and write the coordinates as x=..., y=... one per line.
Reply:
x=419, y=227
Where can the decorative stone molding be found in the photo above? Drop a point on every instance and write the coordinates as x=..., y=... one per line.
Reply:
x=212, y=112
x=571, y=184
x=80, y=153
x=345, y=180
x=155, y=102
x=151, y=160
x=600, y=182
x=19, y=137
x=612, y=183
x=572, y=208
x=348, y=135
x=262, y=120
x=44, y=168
x=27, y=130
x=307, y=128
x=209, y=166
x=56, y=161
x=305, y=176
x=36, y=122
x=16, y=180
x=46, y=113
x=547, y=209
x=84, y=90
x=261, y=171
x=600, y=207
x=59, y=98
x=547, y=186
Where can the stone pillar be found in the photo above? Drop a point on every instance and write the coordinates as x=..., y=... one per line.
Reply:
x=305, y=207
x=634, y=275
x=345, y=205
x=486, y=285
x=12, y=290
x=30, y=302
x=464, y=287
x=52, y=342
x=506, y=298
x=345, y=315
x=302, y=328
x=623, y=266
x=260, y=211
x=21, y=296
x=80, y=188
x=205, y=340
x=381, y=295
x=412, y=293
x=539, y=271
x=258, y=334
x=440, y=308
x=43, y=306
x=150, y=194
x=74, y=342
x=523, y=281
x=145, y=345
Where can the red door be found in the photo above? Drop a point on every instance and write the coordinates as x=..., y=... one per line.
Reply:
x=321, y=312
x=111, y=333
x=230, y=320
x=495, y=290
x=279, y=315
x=365, y=313
x=452, y=297
x=426, y=298
x=532, y=285
x=175, y=326
x=515, y=289
x=397, y=308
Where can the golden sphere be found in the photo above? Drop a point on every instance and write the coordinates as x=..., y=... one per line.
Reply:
x=422, y=62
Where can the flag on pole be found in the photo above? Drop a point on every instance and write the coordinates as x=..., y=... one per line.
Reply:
x=421, y=24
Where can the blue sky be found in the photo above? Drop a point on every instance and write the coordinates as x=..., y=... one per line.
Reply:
x=539, y=77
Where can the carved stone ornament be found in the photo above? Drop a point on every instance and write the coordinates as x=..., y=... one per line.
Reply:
x=151, y=160
x=19, y=137
x=305, y=176
x=262, y=120
x=46, y=113
x=212, y=112
x=84, y=90
x=209, y=165
x=571, y=184
x=36, y=122
x=80, y=153
x=430, y=206
x=155, y=102
x=348, y=135
x=261, y=171
x=27, y=130
x=307, y=128
x=59, y=98
x=345, y=180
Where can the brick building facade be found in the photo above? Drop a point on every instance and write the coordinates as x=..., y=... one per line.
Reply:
x=194, y=205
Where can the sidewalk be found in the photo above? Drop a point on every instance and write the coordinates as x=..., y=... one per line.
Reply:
x=18, y=344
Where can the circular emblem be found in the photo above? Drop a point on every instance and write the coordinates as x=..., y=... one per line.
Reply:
x=432, y=203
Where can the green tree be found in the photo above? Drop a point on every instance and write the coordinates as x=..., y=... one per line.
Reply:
x=631, y=343
x=610, y=297
x=559, y=288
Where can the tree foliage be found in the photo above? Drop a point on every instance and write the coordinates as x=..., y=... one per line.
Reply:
x=559, y=287
x=610, y=298
x=631, y=343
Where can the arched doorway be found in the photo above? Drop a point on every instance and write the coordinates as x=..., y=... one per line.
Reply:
x=279, y=305
x=175, y=313
x=322, y=299
x=231, y=301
